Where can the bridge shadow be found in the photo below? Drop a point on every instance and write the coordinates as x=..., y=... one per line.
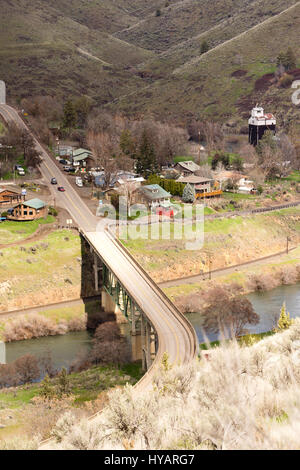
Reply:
x=96, y=315
x=90, y=296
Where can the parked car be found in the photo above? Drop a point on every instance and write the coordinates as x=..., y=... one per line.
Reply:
x=20, y=171
x=61, y=189
x=79, y=182
x=66, y=168
x=53, y=181
x=63, y=162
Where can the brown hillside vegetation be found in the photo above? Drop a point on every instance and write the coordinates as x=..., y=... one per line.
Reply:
x=126, y=55
x=233, y=398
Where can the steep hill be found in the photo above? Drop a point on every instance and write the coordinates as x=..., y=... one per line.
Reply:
x=125, y=55
x=216, y=84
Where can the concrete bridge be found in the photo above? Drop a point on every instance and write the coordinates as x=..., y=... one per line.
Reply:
x=123, y=283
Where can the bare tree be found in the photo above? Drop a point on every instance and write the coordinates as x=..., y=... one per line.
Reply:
x=228, y=313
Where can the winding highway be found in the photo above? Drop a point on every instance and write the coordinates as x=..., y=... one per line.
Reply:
x=175, y=334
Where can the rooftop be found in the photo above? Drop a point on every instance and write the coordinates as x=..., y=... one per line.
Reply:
x=154, y=191
x=80, y=151
x=189, y=165
x=35, y=203
x=193, y=179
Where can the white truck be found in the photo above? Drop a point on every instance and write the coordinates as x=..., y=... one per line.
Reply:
x=78, y=181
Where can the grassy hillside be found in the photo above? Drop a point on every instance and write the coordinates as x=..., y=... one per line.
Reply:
x=186, y=20
x=207, y=84
x=40, y=52
x=126, y=57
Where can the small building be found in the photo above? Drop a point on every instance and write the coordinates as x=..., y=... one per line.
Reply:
x=187, y=168
x=154, y=195
x=9, y=197
x=29, y=210
x=65, y=151
x=82, y=158
x=259, y=123
x=204, y=187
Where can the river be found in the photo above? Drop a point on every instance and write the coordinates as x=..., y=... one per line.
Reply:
x=64, y=349
x=266, y=304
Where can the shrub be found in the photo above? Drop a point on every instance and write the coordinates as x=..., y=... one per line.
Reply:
x=284, y=321
x=52, y=211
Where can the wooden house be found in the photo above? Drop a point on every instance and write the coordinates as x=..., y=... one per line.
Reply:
x=29, y=210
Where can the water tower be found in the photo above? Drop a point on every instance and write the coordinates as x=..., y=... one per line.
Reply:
x=259, y=123
x=2, y=92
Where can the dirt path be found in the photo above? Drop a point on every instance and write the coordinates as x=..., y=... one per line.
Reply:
x=40, y=308
x=41, y=232
x=221, y=272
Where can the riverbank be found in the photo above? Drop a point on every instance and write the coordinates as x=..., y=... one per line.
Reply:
x=227, y=242
x=50, y=321
x=247, y=279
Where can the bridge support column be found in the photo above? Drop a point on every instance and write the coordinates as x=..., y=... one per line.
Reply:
x=133, y=319
x=98, y=273
x=107, y=302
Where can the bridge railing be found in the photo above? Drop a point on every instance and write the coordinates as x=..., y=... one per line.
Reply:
x=182, y=318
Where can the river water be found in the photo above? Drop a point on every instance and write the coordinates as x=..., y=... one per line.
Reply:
x=266, y=304
x=64, y=349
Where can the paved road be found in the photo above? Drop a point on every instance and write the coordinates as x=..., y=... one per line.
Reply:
x=175, y=334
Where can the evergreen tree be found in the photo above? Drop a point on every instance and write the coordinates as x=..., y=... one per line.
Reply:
x=287, y=59
x=204, y=47
x=188, y=194
x=146, y=161
x=63, y=383
x=46, y=390
x=70, y=115
x=127, y=144
x=290, y=59
x=284, y=321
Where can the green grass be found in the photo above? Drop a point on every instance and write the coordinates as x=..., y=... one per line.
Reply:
x=238, y=196
x=85, y=386
x=42, y=275
x=243, y=340
x=11, y=231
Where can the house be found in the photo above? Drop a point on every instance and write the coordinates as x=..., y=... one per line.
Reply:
x=241, y=182
x=204, y=186
x=187, y=168
x=82, y=158
x=259, y=123
x=154, y=195
x=9, y=197
x=29, y=210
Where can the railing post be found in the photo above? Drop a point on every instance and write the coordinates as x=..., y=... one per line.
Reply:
x=143, y=342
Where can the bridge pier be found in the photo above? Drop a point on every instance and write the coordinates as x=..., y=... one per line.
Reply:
x=116, y=300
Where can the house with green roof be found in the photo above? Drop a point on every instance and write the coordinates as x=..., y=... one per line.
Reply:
x=29, y=210
x=154, y=195
x=82, y=157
